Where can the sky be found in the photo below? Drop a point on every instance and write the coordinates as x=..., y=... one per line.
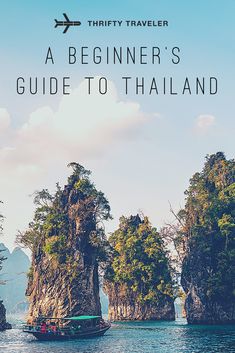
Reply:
x=142, y=150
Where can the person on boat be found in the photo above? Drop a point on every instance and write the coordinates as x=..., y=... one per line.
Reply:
x=102, y=323
x=43, y=327
x=53, y=327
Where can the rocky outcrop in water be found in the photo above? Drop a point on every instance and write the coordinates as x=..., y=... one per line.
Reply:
x=199, y=306
x=124, y=305
x=208, y=223
x=3, y=323
x=138, y=280
x=67, y=249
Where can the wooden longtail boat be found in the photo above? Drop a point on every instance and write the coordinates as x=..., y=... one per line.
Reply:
x=48, y=328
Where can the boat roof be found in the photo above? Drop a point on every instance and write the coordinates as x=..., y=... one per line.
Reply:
x=81, y=317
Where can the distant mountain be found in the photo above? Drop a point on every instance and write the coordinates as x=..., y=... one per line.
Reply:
x=14, y=274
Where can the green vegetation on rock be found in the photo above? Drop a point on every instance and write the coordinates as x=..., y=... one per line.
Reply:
x=68, y=244
x=208, y=226
x=51, y=219
x=139, y=261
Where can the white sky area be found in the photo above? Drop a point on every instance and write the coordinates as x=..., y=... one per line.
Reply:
x=142, y=150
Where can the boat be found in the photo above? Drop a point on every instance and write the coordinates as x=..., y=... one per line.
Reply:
x=49, y=328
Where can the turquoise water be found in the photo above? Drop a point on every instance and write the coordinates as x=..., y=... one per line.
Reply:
x=148, y=337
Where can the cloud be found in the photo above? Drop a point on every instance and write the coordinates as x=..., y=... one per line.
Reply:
x=204, y=123
x=83, y=127
x=4, y=120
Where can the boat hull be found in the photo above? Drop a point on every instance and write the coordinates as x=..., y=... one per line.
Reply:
x=59, y=337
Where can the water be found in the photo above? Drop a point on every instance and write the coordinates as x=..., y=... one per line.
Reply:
x=148, y=337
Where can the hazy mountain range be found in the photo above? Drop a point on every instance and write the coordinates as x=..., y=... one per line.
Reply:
x=14, y=277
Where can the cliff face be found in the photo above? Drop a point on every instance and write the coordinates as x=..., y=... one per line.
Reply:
x=3, y=324
x=137, y=280
x=125, y=306
x=208, y=271
x=64, y=275
x=200, y=306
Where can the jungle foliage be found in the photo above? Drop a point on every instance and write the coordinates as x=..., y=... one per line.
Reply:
x=207, y=223
x=138, y=260
x=52, y=222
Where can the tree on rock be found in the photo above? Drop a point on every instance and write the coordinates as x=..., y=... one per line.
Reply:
x=208, y=219
x=137, y=278
x=68, y=242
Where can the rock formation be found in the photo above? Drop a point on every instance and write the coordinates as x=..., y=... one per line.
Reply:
x=125, y=306
x=67, y=246
x=208, y=223
x=137, y=279
x=3, y=323
x=200, y=307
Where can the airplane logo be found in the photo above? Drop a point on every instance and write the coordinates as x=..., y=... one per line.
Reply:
x=67, y=23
